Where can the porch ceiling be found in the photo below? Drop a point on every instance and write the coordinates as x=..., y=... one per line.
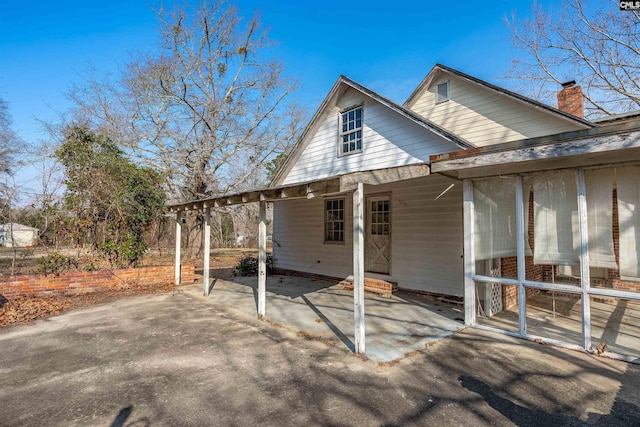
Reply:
x=333, y=185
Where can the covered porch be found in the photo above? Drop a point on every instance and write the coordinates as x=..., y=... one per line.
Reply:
x=551, y=229
x=353, y=185
x=322, y=310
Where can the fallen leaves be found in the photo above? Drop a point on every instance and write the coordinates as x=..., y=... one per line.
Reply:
x=23, y=310
x=26, y=309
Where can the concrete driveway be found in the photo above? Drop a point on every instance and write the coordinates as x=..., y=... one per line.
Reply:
x=183, y=359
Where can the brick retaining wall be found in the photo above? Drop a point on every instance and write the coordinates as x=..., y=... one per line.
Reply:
x=90, y=281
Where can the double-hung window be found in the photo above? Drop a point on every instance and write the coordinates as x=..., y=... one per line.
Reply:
x=351, y=131
x=334, y=221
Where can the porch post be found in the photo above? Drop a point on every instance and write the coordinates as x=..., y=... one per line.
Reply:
x=469, y=254
x=207, y=250
x=358, y=267
x=262, y=260
x=522, y=274
x=585, y=274
x=178, y=238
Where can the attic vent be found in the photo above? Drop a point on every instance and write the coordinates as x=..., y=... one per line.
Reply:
x=442, y=92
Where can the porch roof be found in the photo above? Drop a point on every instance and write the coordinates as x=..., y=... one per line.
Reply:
x=615, y=144
x=333, y=185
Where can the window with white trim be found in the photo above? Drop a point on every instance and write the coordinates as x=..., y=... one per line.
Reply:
x=351, y=131
x=334, y=221
x=442, y=92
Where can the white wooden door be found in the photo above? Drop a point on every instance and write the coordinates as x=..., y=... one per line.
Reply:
x=378, y=234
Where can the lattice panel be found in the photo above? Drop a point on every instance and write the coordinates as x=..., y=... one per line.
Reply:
x=493, y=294
x=495, y=298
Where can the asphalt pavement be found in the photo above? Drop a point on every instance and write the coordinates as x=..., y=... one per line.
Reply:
x=182, y=359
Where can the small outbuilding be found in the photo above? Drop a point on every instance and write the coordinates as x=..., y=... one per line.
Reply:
x=17, y=235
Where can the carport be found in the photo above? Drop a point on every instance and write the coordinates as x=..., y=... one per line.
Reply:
x=348, y=183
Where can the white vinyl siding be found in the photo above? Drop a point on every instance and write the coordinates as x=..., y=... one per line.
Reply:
x=389, y=140
x=483, y=116
x=298, y=238
x=426, y=242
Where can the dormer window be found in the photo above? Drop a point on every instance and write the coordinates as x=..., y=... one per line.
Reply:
x=351, y=131
x=442, y=92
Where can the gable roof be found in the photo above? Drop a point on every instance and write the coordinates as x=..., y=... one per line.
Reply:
x=439, y=68
x=342, y=84
x=16, y=227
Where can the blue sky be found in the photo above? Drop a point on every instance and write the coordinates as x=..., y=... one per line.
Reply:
x=387, y=46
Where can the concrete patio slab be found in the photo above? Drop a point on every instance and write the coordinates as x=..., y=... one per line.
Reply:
x=614, y=322
x=394, y=326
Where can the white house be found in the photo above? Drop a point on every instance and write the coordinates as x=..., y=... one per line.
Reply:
x=413, y=228
x=407, y=194
x=17, y=235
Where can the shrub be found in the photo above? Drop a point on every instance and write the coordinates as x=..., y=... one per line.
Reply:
x=248, y=266
x=124, y=253
x=56, y=263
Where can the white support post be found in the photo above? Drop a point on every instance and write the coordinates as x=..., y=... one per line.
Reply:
x=178, y=238
x=585, y=274
x=522, y=273
x=358, y=267
x=206, y=242
x=470, y=308
x=262, y=260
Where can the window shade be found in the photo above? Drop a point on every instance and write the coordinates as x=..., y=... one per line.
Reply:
x=495, y=218
x=599, y=185
x=555, y=209
x=628, y=185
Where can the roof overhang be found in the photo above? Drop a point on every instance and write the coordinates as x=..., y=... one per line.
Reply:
x=592, y=147
x=329, y=186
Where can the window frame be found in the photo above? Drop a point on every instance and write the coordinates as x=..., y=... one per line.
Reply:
x=326, y=220
x=342, y=133
x=439, y=100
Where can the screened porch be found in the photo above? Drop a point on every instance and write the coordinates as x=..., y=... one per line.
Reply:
x=552, y=238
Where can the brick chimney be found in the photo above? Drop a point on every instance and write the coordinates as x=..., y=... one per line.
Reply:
x=570, y=99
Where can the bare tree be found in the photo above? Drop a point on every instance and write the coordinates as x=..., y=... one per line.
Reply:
x=597, y=45
x=8, y=188
x=8, y=140
x=45, y=195
x=208, y=109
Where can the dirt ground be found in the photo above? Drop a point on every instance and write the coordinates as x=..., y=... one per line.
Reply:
x=28, y=309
